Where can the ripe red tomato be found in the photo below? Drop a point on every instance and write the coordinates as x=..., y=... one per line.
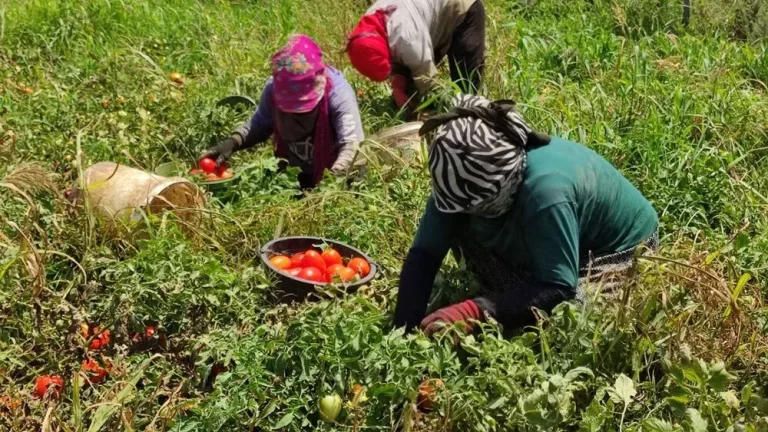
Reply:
x=331, y=256
x=45, y=382
x=428, y=390
x=344, y=274
x=293, y=271
x=281, y=262
x=360, y=265
x=313, y=259
x=332, y=270
x=296, y=260
x=208, y=165
x=222, y=169
x=100, y=338
x=94, y=371
x=311, y=274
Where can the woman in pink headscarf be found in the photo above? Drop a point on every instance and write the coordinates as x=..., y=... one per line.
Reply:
x=309, y=110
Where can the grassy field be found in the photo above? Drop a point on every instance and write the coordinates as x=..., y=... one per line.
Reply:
x=681, y=111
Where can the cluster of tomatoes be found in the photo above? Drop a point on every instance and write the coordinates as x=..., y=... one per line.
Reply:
x=325, y=267
x=210, y=172
x=95, y=369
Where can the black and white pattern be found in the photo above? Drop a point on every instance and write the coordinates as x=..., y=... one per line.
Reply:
x=476, y=168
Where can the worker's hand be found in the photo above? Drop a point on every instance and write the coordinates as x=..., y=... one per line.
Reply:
x=222, y=151
x=399, y=85
x=447, y=316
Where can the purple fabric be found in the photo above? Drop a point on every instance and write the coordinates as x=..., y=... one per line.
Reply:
x=344, y=115
x=299, y=75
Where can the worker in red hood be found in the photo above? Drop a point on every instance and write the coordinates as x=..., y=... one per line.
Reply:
x=404, y=40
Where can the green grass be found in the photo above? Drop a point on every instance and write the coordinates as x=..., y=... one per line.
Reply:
x=682, y=112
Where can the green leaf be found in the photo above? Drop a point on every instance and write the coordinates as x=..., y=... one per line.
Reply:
x=285, y=421
x=719, y=378
x=623, y=390
x=730, y=399
x=736, y=292
x=657, y=425
x=107, y=410
x=594, y=417
x=498, y=402
x=695, y=422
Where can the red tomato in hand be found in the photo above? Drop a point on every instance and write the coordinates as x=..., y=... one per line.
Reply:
x=208, y=165
x=331, y=257
x=293, y=271
x=313, y=259
x=45, y=382
x=311, y=274
x=360, y=265
x=281, y=262
x=296, y=260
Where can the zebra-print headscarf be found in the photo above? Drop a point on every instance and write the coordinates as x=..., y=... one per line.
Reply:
x=478, y=156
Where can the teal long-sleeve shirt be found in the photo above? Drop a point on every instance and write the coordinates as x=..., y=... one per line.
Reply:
x=572, y=203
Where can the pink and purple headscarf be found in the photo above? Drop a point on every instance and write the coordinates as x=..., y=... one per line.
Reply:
x=299, y=75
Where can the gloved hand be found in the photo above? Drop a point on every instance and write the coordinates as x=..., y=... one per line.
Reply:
x=222, y=151
x=399, y=84
x=464, y=311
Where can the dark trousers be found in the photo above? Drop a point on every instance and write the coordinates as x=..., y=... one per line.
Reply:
x=466, y=56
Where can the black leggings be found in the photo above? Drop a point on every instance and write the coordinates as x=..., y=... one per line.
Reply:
x=466, y=56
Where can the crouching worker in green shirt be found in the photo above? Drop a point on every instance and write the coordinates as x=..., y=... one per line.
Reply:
x=533, y=217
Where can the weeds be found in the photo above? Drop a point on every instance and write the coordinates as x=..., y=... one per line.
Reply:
x=681, y=110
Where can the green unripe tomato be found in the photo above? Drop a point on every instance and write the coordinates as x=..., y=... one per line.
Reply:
x=330, y=407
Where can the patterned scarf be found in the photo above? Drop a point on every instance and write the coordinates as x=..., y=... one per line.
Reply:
x=301, y=83
x=478, y=156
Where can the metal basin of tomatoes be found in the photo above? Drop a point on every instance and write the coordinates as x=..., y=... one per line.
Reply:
x=290, y=288
x=170, y=169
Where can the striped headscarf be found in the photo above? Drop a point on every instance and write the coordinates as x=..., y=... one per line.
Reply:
x=478, y=156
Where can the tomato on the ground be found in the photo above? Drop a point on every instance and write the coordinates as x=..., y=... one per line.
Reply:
x=360, y=265
x=331, y=256
x=428, y=392
x=281, y=262
x=313, y=259
x=51, y=385
x=95, y=372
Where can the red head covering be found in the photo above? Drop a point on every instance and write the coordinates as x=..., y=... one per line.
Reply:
x=368, y=47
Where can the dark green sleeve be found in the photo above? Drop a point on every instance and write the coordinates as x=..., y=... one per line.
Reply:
x=435, y=236
x=552, y=239
x=437, y=230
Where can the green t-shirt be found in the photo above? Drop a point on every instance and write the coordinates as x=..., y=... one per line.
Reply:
x=572, y=203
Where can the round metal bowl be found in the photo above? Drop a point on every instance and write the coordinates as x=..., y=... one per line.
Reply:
x=174, y=169
x=289, y=288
